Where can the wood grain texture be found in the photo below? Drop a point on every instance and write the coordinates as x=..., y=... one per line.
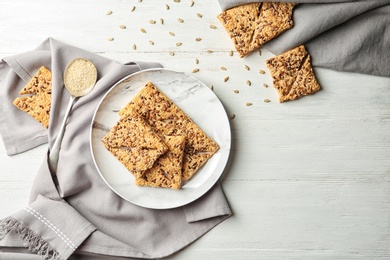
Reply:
x=307, y=179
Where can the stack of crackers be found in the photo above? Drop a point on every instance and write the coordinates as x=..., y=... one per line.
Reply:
x=157, y=142
x=37, y=102
x=254, y=24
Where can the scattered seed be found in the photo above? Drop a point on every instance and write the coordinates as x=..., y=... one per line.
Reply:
x=225, y=79
x=132, y=8
x=236, y=91
x=265, y=85
x=122, y=26
x=230, y=53
x=248, y=104
x=110, y=39
x=259, y=52
x=161, y=21
x=178, y=44
x=109, y=13
x=171, y=33
x=166, y=7
x=176, y=1
x=171, y=53
x=192, y=3
x=196, y=61
x=223, y=68
x=248, y=82
x=198, y=39
x=267, y=100
x=261, y=71
x=213, y=26
x=209, y=51
x=180, y=20
x=212, y=87
x=151, y=42
x=232, y=116
x=195, y=70
x=134, y=46
x=152, y=21
x=247, y=67
x=139, y=1
x=199, y=15
x=143, y=30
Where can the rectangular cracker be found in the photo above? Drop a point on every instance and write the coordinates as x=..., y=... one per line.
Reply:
x=252, y=25
x=166, y=118
x=292, y=74
x=38, y=103
x=166, y=171
x=133, y=142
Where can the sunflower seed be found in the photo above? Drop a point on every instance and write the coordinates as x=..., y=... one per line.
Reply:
x=248, y=82
x=178, y=44
x=248, y=104
x=132, y=8
x=143, y=30
x=247, y=67
x=109, y=13
x=213, y=26
x=171, y=33
x=122, y=26
x=180, y=20
x=266, y=100
x=261, y=71
x=225, y=79
x=223, y=68
x=195, y=70
x=152, y=21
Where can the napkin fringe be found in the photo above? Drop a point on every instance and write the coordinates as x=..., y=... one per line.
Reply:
x=31, y=240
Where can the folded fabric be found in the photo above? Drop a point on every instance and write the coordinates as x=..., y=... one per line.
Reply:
x=343, y=35
x=76, y=211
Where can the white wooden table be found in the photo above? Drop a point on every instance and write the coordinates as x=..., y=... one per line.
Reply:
x=308, y=179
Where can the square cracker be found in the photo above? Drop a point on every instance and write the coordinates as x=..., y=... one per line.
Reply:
x=167, y=119
x=38, y=104
x=292, y=74
x=133, y=142
x=166, y=171
x=252, y=25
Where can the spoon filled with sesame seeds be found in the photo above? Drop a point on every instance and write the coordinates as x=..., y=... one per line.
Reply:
x=79, y=79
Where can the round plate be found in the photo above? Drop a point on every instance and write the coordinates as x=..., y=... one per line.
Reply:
x=197, y=101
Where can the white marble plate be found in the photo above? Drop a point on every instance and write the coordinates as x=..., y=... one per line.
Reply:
x=197, y=101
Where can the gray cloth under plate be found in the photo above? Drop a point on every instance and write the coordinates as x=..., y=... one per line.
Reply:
x=351, y=36
x=83, y=214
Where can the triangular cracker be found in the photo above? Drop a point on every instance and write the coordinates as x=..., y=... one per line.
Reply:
x=166, y=118
x=134, y=144
x=292, y=74
x=166, y=171
x=252, y=25
x=37, y=105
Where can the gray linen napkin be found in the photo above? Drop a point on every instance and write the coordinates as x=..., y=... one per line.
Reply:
x=83, y=214
x=351, y=36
